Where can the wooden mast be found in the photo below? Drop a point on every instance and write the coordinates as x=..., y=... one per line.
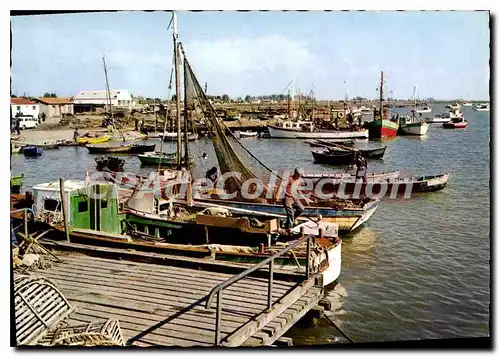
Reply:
x=381, y=94
x=177, y=89
x=186, y=115
x=108, y=92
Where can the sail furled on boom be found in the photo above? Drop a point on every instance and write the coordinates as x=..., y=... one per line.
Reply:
x=232, y=156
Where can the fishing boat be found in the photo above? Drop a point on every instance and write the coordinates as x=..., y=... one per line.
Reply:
x=306, y=130
x=98, y=221
x=32, y=151
x=381, y=187
x=467, y=104
x=410, y=125
x=16, y=182
x=333, y=158
x=481, y=108
x=381, y=127
x=247, y=134
x=93, y=140
x=340, y=175
x=109, y=162
x=457, y=123
x=108, y=148
x=376, y=153
x=141, y=148
x=172, y=136
x=425, y=109
x=445, y=117
x=155, y=158
x=349, y=214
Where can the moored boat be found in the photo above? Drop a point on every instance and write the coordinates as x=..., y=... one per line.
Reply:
x=109, y=162
x=409, y=125
x=137, y=232
x=306, y=130
x=107, y=148
x=141, y=148
x=93, y=140
x=248, y=134
x=172, y=136
x=457, y=123
x=382, y=187
x=16, y=182
x=340, y=175
x=424, y=110
x=333, y=158
x=481, y=108
x=330, y=143
x=32, y=151
x=155, y=158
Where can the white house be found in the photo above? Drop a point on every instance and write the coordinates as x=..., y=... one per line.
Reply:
x=24, y=106
x=89, y=99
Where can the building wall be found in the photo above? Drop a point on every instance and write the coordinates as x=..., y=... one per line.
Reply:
x=56, y=110
x=26, y=109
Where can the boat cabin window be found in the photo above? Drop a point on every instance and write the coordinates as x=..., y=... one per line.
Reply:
x=83, y=206
x=50, y=204
x=104, y=203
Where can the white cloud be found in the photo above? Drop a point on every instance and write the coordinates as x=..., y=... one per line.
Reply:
x=240, y=55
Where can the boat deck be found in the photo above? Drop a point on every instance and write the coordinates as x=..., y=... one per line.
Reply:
x=162, y=305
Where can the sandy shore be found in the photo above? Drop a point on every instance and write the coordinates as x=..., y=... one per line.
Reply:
x=30, y=136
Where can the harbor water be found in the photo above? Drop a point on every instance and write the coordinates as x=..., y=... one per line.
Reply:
x=420, y=268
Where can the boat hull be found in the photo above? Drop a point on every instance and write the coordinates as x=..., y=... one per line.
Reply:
x=32, y=151
x=455, y=125
x=104, y=149
x=438, y=120
x=326, y=157
x=414, y=129
x=340, y=175
x=348, y=219
x=381, y=188
x=379, y=129
x=166, y=160
x=98, y=140
x=281, y=133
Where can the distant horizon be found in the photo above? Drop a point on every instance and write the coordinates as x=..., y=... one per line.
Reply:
x=444, y=53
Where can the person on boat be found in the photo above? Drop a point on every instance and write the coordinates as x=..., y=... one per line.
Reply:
x=292, y=204
x=75, y=134
x=361, y=166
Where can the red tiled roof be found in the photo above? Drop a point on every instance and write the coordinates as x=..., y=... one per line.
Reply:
x=21, y=101
x=49, y=100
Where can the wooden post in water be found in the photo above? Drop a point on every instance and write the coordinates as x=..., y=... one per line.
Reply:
x=63, y=203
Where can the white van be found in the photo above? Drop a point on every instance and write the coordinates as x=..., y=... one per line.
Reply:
x=27, y=122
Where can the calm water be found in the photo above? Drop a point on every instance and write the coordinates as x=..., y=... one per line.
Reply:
x=419, y=269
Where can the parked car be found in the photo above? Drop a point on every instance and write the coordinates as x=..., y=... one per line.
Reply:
x=28, y=122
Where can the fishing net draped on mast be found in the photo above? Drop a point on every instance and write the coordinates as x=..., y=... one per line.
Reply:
x=228, y=149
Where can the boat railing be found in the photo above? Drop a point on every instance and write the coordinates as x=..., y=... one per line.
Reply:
x=25, y=217
x=218, y=290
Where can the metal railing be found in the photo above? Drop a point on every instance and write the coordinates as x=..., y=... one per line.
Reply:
x=25, y=217
x=219, y=288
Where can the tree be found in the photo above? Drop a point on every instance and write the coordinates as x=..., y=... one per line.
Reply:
x=248, y=98
x=49, y=95
x=225, y=98
x=174, y=98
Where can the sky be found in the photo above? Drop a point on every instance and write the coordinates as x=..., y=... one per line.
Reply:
x=444, y=53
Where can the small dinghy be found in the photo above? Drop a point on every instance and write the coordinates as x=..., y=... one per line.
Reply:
x=248, y=134
x=142, y=148
x=333, y=158
x=32, y=151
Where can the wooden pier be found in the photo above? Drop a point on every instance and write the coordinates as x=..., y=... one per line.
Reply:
x=185, y=306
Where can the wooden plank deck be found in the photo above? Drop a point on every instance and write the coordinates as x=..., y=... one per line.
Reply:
x=161, y=305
